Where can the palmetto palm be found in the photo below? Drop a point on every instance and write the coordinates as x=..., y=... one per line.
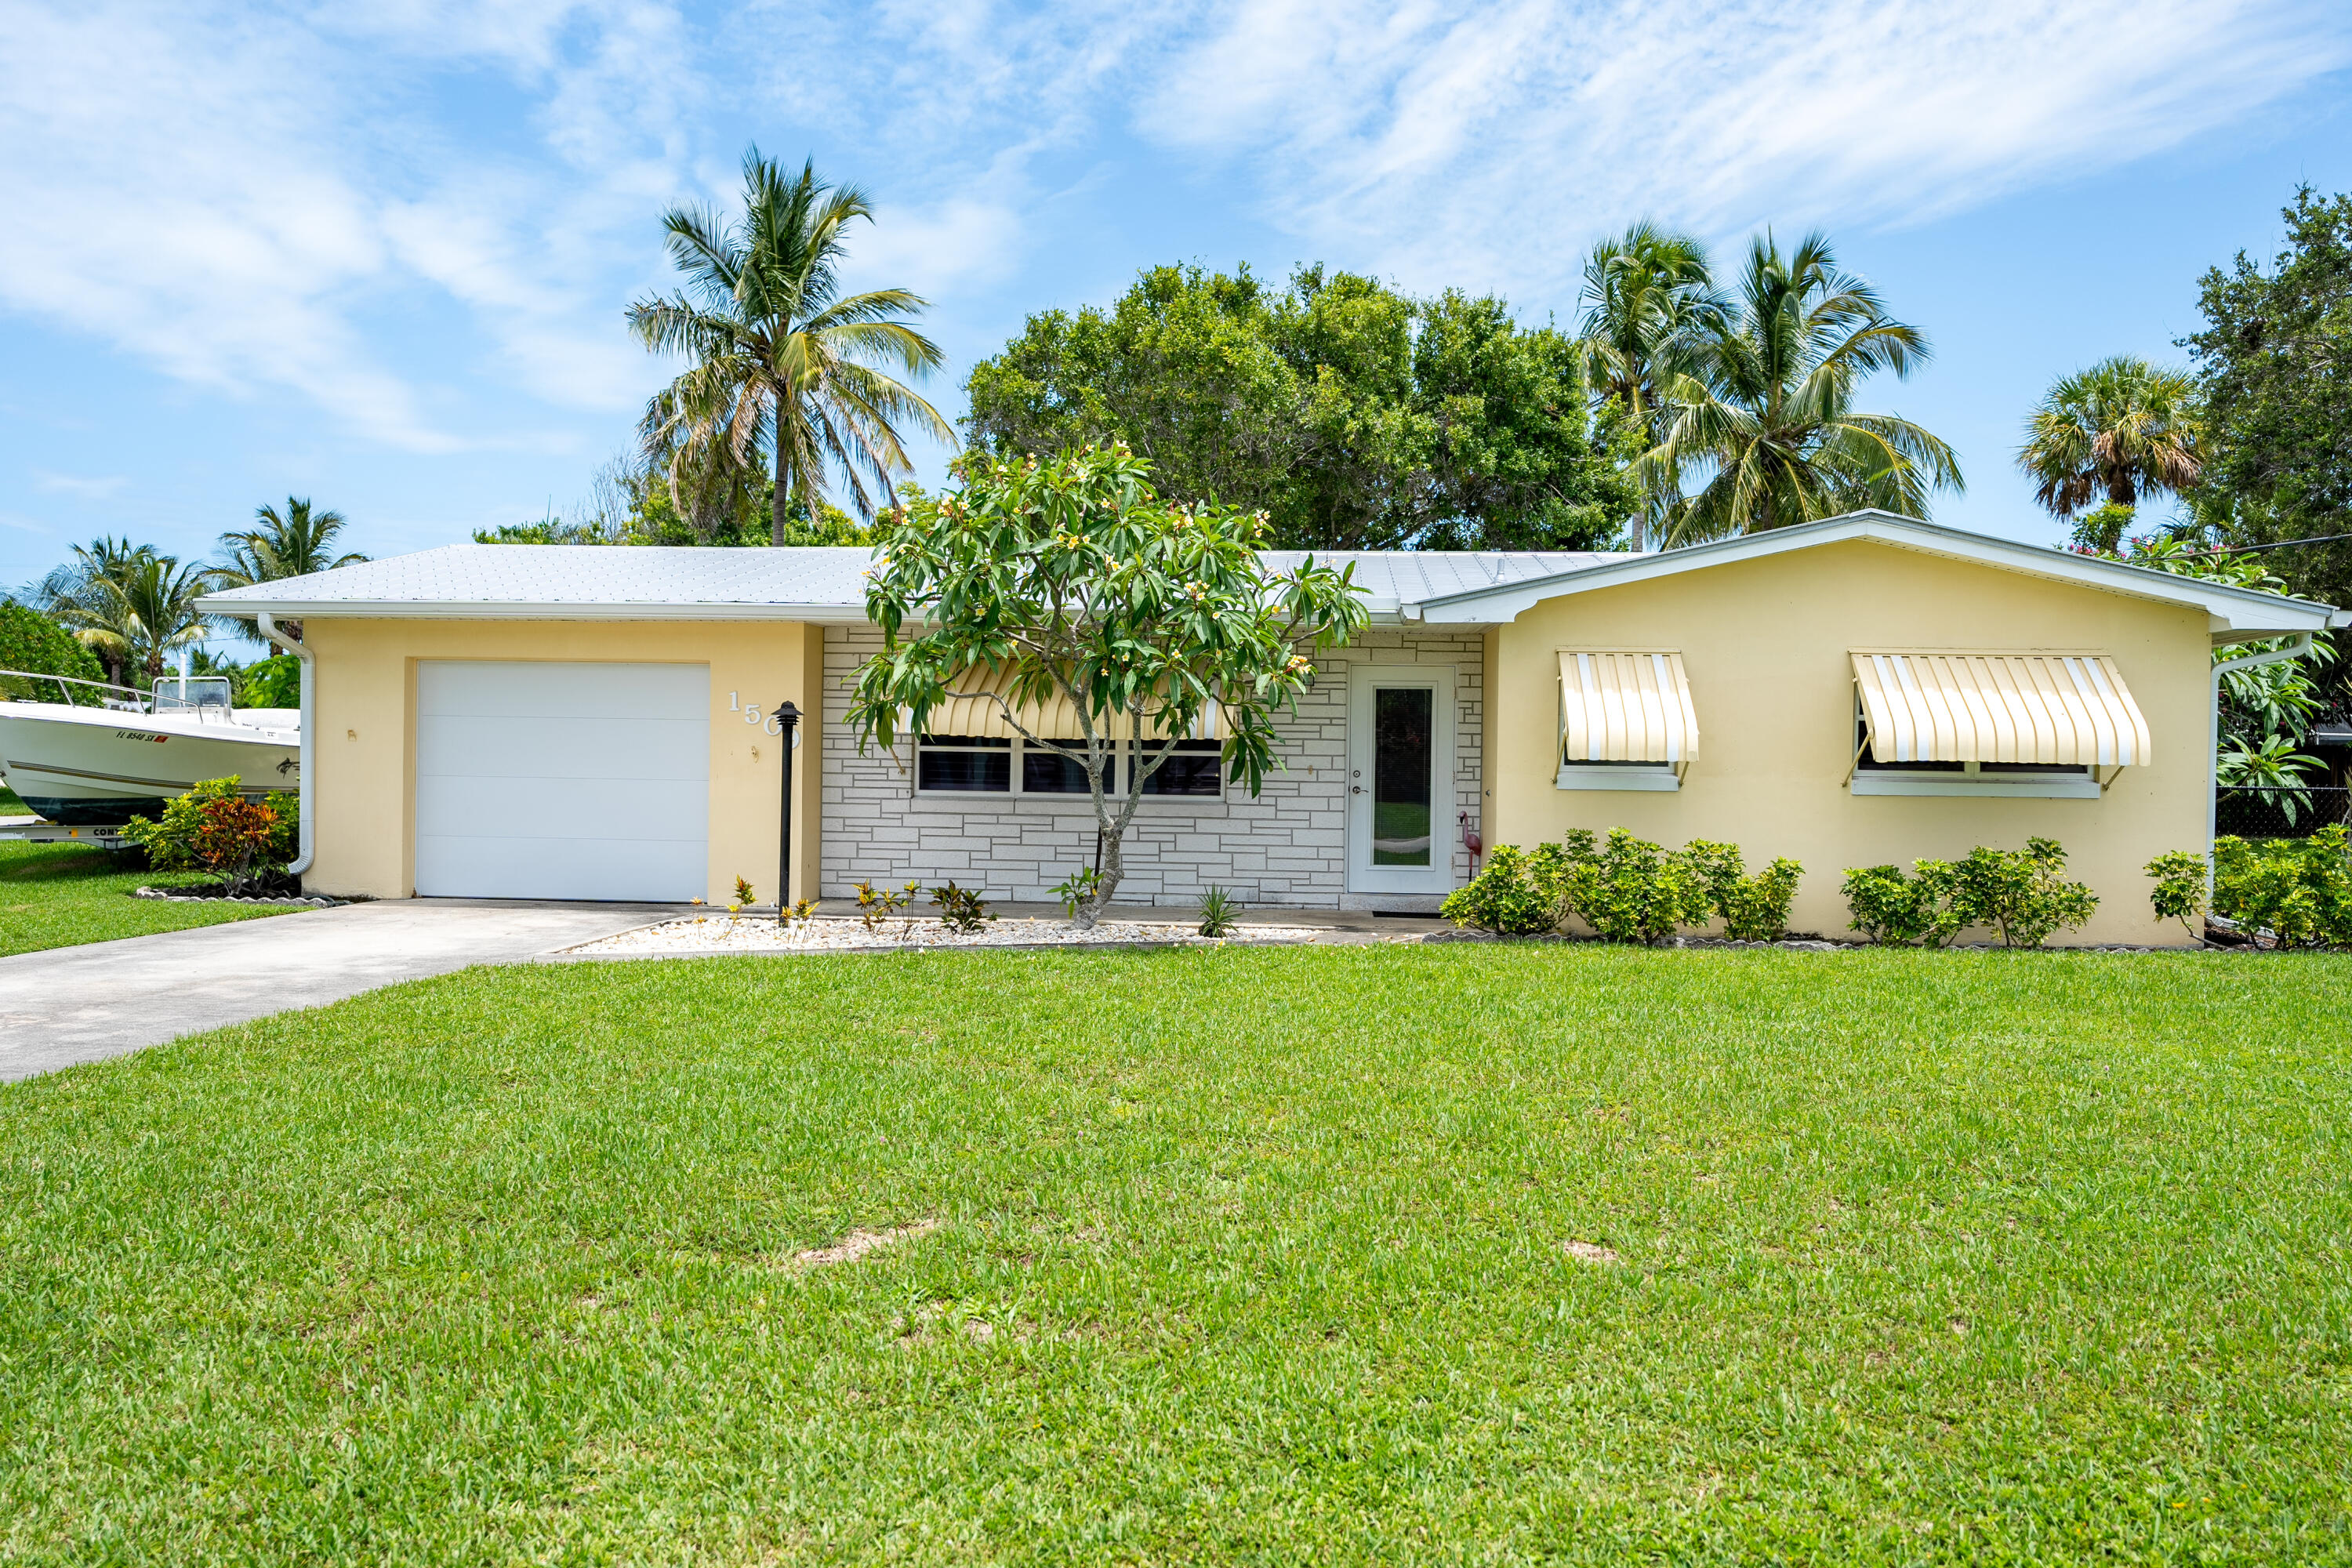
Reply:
x=2123, y=427
x=1765, y=414
x=136, y=608
x=1648, y=301
x=781, y=357
x=294, y=543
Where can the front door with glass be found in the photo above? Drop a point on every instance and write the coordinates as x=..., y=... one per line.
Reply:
x=1400, y=779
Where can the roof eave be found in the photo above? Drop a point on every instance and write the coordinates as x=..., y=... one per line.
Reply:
x=525, y=610
x=2235, y=614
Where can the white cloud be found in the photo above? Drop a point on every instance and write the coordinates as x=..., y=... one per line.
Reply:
x=935, y=249
x=281, y=195
x=232, y=194
x=1501, y=134
x=74, y=485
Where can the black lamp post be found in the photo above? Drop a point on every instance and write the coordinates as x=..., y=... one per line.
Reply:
x=790, y=718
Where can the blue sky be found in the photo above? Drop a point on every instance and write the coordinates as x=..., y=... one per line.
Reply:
x=377, y=253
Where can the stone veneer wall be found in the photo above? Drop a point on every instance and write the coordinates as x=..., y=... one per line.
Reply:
x=1286, y=848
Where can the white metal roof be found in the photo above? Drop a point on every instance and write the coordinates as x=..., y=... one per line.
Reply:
x=2233, y=614
x=827, y=584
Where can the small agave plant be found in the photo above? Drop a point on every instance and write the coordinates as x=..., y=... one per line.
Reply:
x=1218, y=910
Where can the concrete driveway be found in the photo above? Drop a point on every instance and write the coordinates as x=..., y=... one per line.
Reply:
x=84, y=1003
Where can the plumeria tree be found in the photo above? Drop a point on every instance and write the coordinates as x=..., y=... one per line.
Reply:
x=1069, y=581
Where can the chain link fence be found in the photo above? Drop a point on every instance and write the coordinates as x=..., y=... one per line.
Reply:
x=2272, y=812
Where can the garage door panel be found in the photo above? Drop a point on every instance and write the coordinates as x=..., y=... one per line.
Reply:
x=511, y=688
x=500, y=867
x=563, y=781
x=660, y=811
x=536, y=747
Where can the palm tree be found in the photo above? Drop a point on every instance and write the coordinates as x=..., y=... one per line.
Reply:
x=78, y=596
x=1765, y=413
x=1648, y=297
x=2123, y=427
x=781, y=358
x=295, y=542
x=136, y=611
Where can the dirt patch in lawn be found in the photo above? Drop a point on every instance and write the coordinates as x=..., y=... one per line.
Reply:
x=859, y=1242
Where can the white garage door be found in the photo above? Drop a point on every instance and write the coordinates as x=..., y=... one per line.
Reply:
x=563, y=781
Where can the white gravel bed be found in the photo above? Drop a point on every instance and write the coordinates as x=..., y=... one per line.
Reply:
x=825, y=933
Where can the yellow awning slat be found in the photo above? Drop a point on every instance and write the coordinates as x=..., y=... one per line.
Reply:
x=2070, y=709
x=973, y=710
x=1620, y=707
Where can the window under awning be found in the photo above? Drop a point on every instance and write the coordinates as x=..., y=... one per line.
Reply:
x=2068, y=710
x=1621, y=706
x=974, y=710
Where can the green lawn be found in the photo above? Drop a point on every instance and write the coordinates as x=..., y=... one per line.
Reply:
x=55, y=895
x=10, y=805
x=1950, y=1258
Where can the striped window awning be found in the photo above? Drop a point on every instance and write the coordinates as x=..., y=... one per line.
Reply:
x=974, y=710
x=2062, y=708
x=1625, y=707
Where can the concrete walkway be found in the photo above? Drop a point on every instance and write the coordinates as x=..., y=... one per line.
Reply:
x=75, y=1005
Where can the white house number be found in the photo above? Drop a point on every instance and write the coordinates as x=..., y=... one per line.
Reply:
x=753, y=715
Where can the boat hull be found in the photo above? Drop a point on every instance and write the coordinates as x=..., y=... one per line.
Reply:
x=83, y=766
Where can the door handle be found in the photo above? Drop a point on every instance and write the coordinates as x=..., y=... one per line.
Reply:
x=1355, y=789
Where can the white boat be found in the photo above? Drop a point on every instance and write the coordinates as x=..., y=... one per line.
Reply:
x=102, y=754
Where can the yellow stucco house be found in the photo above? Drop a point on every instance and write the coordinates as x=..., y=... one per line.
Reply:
x=587, y=722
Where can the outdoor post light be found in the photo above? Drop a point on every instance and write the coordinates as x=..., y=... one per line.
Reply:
x=789, y=717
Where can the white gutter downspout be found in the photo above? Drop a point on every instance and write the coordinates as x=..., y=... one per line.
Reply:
x=306, y=840
x=2300, y=646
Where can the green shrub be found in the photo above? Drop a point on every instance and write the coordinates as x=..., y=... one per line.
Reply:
x=2179, y=891
x=214, y=828
x=1752, y=908
x=1629, y=889
x=2298, y=889
x=1893, y=910
x=2022, y=894
x=962, y=909
x=2019, y=893
x=1505, y=898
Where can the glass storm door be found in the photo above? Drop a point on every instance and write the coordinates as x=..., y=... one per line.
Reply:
x=1401, y=828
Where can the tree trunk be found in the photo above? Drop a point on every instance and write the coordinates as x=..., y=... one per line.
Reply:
x=776, y=515
x=2122, y=491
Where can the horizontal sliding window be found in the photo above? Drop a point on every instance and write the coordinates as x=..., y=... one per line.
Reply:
x=964, y=764
x=1194, y=769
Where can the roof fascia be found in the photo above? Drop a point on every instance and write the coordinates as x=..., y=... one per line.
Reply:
x=2234, y=613
x=526, y=610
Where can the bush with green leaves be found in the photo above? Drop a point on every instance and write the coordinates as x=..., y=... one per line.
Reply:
x=1752, y=908
x=1505, y=898
x=2299, y=890
x=962, y=909
x=2021, y=895
x=2179, y=891
x=1895, y=910
x=244, y=842
x=1629, y=889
